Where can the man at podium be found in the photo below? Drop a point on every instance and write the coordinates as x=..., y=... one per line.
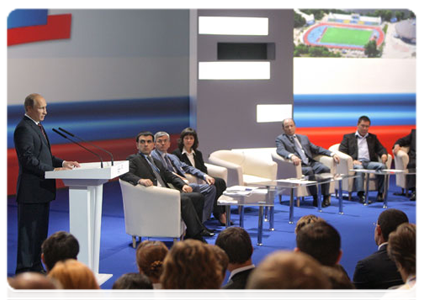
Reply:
x=34, y=193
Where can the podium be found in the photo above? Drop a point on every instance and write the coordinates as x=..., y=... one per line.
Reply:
x=85, y=206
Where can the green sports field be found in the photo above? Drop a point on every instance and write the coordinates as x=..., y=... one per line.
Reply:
x=346, y=36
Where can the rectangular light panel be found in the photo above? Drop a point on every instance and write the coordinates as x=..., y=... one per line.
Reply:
x=216, y=70
x=267, y=113
x=233, y=25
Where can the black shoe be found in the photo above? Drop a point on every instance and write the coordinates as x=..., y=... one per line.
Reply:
x=315, y=200
x=198, y=237
x=379, y=197
x=326, y=201
x=413, y=196
x=206, y=233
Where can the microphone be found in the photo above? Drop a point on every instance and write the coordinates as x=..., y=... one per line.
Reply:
x=92, y=144
x=75, y=142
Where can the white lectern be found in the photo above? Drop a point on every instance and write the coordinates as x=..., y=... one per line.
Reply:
x=85, y=206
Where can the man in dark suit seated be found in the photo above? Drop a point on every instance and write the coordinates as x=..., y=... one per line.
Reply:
x=33, y=192
x=409, y=141
x=322, y=241
x=300, y=150
x=236, y=242
x=145, y=170
x=364, y=148
x=378, y=271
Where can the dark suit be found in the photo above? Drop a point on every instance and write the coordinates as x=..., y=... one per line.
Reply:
x=239, y=280
x=191, y=203
x=410, y=141
x=219, y=183
x=376, y=271
x=349, y=145
x=285, y=146
x=33, y=192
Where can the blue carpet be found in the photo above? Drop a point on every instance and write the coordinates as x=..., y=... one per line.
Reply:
x=118, y=257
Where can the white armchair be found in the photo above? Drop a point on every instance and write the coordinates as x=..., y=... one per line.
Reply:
x=401, y=161
x=151, y=211
x=213, y=171
x=346, y=164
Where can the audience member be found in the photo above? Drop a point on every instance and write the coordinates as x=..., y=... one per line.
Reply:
x=307, y=219
x=404, y=250
x=365, y=149
x=147, y=171
x=222, y=258
x=132, y=281
x=288, y=270
x=73, y=274
x=191, y=265
x=378, y=271
x=33, y=286
x=338, y=278
x=236, y=242
x=321, y=241
x=150, y=256
x=300, y=151
x=179, y=168
x=409, y=141
x=58, y=247
x=188, y=152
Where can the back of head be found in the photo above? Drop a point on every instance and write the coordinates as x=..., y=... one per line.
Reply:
x=33, y=286
x=73, y=274
x=321, y=241
x=58, y=247
x=191, y=264
x=236, y=242
x=402, y=247
x=288, y=270
x=389, y=220
x=305, y=220
x=132, y=281
x=338, y=278
x=222, y=257
x=150, y=256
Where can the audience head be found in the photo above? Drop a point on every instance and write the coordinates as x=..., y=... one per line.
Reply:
x=321, y=241
x=402, y=249
x=33, y=286
x=338, y=278
x=236, y=242
x=308, y=219
x=222, y=258
x=162, y=141
x=73, y=274
x=288, y=126
x=288, y=270
x=388, y=222
x=145, y=142
x=58, y=247
x=188, y=139
x=131, y=281
x=150, y=256
x=191, y=264
x=363, y=125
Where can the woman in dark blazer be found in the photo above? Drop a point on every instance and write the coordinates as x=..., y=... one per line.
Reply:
x=187, y=152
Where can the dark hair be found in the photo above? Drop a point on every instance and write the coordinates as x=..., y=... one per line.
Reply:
x=389, y=220
x=338, y=278
x=132, y=281
x=402, y=247
x=30, y=100
x=58, y=247
x=321, y=241
x=144, y=133
x=364, y=118
x=236, y=242
x=184, y=133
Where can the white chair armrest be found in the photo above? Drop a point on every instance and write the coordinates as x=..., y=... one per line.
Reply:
x=217, y=171
x=259, y=167
x=286, y=168
x=234, y=171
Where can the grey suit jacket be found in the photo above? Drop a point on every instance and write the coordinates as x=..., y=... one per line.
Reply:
x=285, y=146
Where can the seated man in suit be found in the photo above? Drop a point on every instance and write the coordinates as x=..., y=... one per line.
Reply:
x=236, y=242
x=364, y=148
x=145, y=170
x=409, y=141
x=173, y=164
x=300, y=150
x=378, y=271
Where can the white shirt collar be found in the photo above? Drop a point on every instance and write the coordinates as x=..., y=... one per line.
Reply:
x=239, y=270
x=361, y=137
x=381, y=245
x=36, y=123
x=188, y=153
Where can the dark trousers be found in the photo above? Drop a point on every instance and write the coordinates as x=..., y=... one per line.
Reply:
x=411, y=179
x=33, y=221
x=220, y=184
x=315, y=167
x=191, y=212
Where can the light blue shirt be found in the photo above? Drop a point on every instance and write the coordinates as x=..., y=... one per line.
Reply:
x=363, y=148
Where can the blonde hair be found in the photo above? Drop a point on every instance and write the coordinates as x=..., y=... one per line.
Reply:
x=73, y=274
x=307, y=219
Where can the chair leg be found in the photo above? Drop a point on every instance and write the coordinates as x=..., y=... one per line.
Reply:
x=134, y=241
x=349, y=196
x=280, y=199
x=298, y=201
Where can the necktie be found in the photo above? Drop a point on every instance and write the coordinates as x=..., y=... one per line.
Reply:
x=155, y=171
x=169, y=164
x=42, y=130
x=300, y=150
